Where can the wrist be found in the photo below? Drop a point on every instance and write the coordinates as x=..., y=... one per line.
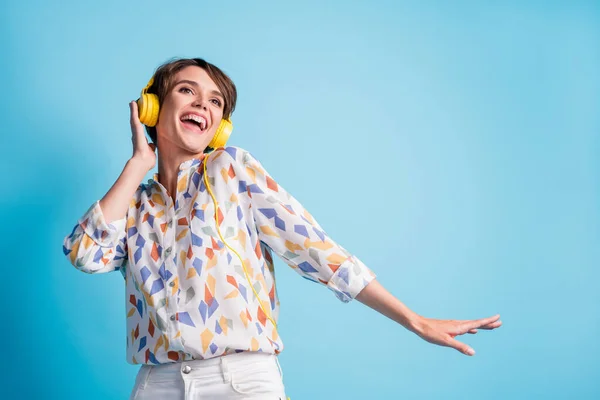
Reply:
x=415, y=323
x=139, y=163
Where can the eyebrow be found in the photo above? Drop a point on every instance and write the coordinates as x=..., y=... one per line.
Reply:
x=195, y=84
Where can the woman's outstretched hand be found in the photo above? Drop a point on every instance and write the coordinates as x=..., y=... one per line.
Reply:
x=438, y=331
x=443, y=332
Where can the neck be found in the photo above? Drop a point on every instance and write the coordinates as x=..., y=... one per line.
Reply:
x=168, y=168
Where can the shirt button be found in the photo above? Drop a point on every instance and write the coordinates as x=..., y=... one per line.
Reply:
x=172, y=318
x=168, y=251
x=172, y=283
x=187, y=369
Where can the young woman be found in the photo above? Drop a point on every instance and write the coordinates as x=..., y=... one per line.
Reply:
x=195, y=244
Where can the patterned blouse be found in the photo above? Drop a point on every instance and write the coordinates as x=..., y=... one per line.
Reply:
x=187, y=295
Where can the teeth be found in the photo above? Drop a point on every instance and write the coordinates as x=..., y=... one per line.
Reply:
x=197, y=118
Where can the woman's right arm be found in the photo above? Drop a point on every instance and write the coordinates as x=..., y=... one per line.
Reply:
x=97, y=242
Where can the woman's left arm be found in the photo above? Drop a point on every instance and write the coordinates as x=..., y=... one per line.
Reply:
x=436, y=331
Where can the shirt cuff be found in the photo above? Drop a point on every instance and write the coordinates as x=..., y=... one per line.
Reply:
x=350, y=278
x=95, y=226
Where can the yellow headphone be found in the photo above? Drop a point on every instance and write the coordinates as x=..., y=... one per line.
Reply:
x=148, y=107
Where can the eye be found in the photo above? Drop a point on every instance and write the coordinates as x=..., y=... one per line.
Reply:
x=185, y=89
x=216, y=102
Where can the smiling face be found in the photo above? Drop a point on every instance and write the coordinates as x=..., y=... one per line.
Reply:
x=190, y=113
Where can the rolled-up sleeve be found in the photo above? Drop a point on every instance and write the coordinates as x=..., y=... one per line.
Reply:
x=291, y=232
x=93, y=246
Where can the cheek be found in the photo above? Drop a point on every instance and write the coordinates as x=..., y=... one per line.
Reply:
x=216, y=126
x=218, y=116
x=165, y=113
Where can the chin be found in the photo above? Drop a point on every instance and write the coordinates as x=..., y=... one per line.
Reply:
x=195, y=149
x=191, y=141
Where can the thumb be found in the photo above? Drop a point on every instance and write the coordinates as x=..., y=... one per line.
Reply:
x=462, y=347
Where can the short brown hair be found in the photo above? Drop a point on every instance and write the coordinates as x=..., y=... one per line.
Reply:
x=163, y=83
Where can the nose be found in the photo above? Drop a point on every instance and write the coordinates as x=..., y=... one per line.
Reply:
x=200, y=103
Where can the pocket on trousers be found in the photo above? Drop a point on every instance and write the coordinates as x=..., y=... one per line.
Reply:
x=140, y=381
x=279, y=367
x=261, y=379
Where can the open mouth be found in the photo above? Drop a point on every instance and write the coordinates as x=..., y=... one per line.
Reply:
x=194, y=122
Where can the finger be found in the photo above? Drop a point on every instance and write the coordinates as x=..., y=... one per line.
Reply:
x=131, y=110
x=134, y=117
x=137, y=129
x=473, y=331
x=480, y=322
x=135, y=114
x=493, y=325
x=462, y=347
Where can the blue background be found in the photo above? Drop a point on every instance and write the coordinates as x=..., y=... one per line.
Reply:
x=452, y=146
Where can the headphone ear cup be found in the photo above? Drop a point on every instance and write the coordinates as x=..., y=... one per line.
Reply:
x=148, y=109
x=222, y=134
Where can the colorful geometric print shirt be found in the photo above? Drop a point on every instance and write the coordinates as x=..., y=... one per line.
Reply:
x=187, y=295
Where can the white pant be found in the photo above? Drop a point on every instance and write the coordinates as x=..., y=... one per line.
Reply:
x=246, y=375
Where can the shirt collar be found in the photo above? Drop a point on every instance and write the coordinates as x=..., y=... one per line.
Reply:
x=191, y=162
x=185, y=166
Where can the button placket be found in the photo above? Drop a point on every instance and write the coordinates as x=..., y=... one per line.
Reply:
x=169, y=264
x=170, y=242
x=172, y=212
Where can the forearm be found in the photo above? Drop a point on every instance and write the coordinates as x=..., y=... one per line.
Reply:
x=115, y=202
x=379, y=299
